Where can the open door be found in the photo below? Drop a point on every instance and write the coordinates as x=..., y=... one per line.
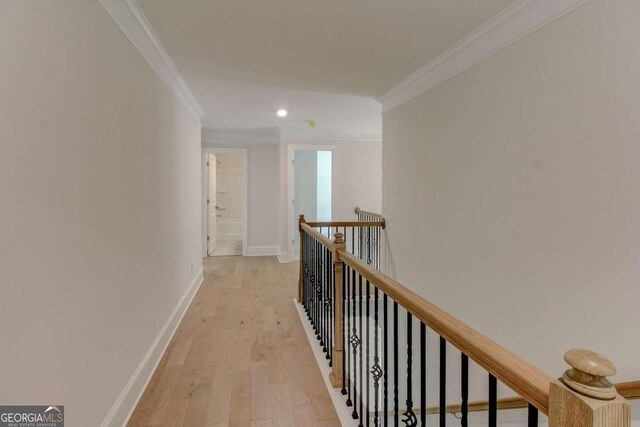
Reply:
x=211, y=205
x=312, y=185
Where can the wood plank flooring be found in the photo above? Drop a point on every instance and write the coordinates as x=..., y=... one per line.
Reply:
x=240, y=357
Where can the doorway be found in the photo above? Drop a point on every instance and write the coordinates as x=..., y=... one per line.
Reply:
x=226, y=202
x=312, y=188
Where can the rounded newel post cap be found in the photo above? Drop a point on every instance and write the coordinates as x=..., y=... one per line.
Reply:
x=301, y=219
x=589, y=373
x=357, y=210
x=338, y=238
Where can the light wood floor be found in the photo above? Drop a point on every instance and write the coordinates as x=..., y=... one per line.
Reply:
x=240, y=357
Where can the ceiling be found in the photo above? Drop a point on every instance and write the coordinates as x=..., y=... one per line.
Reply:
x=322, y=60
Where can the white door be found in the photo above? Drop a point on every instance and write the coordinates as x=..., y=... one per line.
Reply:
x=211, y=206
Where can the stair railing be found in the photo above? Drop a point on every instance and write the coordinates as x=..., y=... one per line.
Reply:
x=361, y=316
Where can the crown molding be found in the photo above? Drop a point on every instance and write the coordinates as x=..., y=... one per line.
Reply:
x=273, y=135
x=331, y=139
x=269, y=135
x=330, y=135
x=510, y=25
x=129, y=17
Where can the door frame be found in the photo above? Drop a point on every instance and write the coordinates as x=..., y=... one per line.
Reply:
x=245, y=191
x=292, y=222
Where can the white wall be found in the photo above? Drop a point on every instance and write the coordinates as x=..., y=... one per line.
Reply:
x=511, y=190
x=100, y=217
x=263, y=192
x=357, y=180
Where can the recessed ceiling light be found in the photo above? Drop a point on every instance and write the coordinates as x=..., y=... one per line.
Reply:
x=282, y=113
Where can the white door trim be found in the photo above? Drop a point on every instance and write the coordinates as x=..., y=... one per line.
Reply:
x=292, y=222
x=245, y=189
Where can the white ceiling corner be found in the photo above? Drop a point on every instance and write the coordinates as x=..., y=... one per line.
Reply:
x=241, y=101
x=128, y=16
x=323, y=61
x=510, y=25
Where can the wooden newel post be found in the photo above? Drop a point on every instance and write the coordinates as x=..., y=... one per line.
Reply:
x=336, y=375
x=584, y=397
x=300, y=222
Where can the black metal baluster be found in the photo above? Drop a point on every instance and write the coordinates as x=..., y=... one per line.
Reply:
x=396, y=408
x=385, y=362
x=379, y=246
x=360, y=243
x=346, y=238
x=409, y=416
x=374, y=231
x=332, y=306
x=355, y=342
x=328, y=320
x=303, y=259
x=464, y=389
x=532, y=416
x=312, y=281
x=374, y=244
x=310, y=275
x=328, y=302
x=344, y=303
x=348, y=343
x=362, y=414
x=323, y=298
x=325, y=290
x=443, y=382
x=368, y=245
x=317, y=289
x=328, y=305
x=423, y=374
x=319, y=293
x=315, y=286
x=327, y=296
x=312, y=286
x=368, y=302
x=332, y=295
x=307, y=271
x=353, y=240
x=376, y=371
x=493, y=401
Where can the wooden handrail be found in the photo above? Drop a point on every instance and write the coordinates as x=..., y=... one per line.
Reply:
x=316, y=235
x=360, y=211
x=629, y=390
x=373, y=214
x=345, y=223
x=513, y=371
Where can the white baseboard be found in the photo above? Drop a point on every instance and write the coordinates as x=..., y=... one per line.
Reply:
x=262, y=251
x=285, y=257
x=125, y=404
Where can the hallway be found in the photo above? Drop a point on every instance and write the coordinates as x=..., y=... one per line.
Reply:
x=240, y=357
